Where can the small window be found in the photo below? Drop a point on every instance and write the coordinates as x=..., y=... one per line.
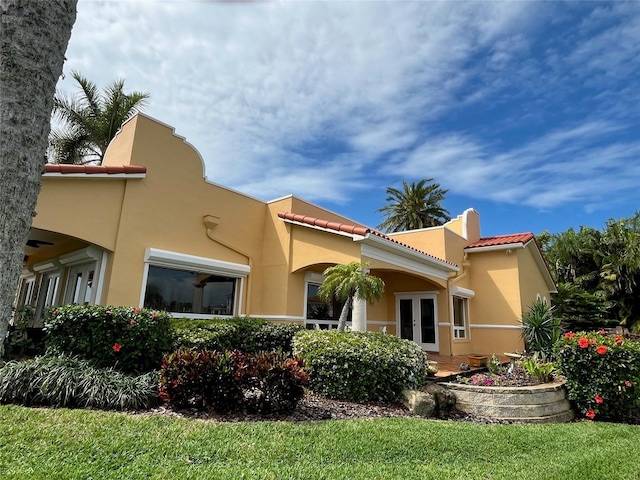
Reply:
x=460, y=317
x=182, y=291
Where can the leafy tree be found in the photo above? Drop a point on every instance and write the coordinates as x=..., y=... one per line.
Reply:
x=91, y=119
x=32, y=45
x=416, y=206
x=620, y=271
x=344, y=282
x=597, y=272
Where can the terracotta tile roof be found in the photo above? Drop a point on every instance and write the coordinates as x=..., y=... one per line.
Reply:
x=353, y=230
x=503, y=240
x=94, y=169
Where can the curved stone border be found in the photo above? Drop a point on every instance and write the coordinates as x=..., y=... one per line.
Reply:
x=545, y=403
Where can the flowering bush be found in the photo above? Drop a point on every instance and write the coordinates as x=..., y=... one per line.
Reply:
x=500, y=378
x=224, y=380
x=360, y=366
x=603, y=372
x=126, y=338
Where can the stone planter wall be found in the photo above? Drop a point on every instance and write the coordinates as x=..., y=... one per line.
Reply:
x=546, y=403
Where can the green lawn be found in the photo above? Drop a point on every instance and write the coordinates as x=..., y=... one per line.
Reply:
x=77, y=444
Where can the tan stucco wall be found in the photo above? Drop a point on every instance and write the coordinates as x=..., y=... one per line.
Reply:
x=167, y=210
x=495, y=281
x=532, y=283
x=87, y=209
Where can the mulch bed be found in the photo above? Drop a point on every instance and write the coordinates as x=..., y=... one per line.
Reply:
x=314, y=408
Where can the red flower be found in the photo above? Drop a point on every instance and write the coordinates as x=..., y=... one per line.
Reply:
x=592, y=341
x=116, y=347
x=132, y=322
x=602, y=331
x=591, y=414
x=569, y=335
x=599, y=399
x=627, y=383
x=154, y=314
x=618, y=339
x=601, y=349
x=583, y=343
x=136, y=310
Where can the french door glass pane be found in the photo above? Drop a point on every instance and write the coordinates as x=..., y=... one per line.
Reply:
x=428, y=327
x=406, y=319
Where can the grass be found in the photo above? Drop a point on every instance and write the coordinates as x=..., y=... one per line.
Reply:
x=81, y=444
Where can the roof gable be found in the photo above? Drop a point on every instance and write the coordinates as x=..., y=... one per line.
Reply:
x=352, y=230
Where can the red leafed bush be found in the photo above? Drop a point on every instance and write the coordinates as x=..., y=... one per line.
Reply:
x=232, y=380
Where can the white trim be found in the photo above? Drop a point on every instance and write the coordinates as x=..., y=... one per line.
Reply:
x=462, y=292
x=280, y=318
x=313, y=277
x=380, y=322
x=493, y=248
x=101, y=274
x=79, y=257
x=182, y=261
x=143, y=290
x=422, y=292
x=406, y=256
x=47, y=266
x=95, y=176
x=444, y=324
x=327, y=230
x=496, y=327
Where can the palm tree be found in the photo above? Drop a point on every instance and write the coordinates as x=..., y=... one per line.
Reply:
x=91, y=119
x=415, y=206
x=32, y=45
x=344, y=282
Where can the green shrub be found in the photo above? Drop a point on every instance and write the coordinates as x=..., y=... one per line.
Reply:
x=131, y=340
x=540, y=329
x=602, y=372
x=250, y=335
x=61, y=381
x=360, y=366
x=224, y=380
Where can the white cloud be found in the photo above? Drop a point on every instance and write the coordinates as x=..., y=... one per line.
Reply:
x=320, y=99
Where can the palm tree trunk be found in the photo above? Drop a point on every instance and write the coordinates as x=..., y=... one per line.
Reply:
x=33, y=39
x=342, y=321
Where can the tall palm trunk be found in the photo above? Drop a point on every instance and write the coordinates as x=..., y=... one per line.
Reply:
x=344, y=313
x=33, y=39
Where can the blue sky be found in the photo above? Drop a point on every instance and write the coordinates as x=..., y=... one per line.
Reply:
x=528, y=112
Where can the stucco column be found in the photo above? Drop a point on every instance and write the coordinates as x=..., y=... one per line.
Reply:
x=359, y=315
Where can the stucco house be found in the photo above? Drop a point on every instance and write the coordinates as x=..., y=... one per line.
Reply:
x=147, y=229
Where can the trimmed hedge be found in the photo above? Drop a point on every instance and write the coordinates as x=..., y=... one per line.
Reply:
x=232, y=380
x=602, y=372
x=63, y=381
x=126, y=338
x=251, y=335
x=360, y=366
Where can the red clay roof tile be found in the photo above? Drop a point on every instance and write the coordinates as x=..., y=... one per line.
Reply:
x=502, y=240
x=351, y=229
x=94, y=169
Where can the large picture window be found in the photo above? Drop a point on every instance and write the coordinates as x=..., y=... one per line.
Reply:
x=182, y=291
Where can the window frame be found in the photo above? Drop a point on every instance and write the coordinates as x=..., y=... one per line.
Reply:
x=464, y=295
x=315, y=278
x=191, y=263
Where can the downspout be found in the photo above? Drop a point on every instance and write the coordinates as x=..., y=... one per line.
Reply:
x=210, y=222
x=466, y=264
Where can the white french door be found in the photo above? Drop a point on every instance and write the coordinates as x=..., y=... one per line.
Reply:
x=417, y=319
